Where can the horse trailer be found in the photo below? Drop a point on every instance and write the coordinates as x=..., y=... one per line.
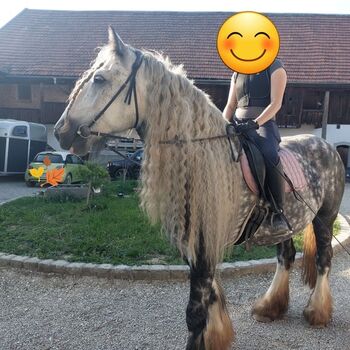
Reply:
x=20, y=141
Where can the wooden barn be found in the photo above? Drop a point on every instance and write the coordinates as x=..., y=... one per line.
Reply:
x=43, y=52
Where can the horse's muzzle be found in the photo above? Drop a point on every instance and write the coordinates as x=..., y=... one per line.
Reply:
x=65, y=133
x=56, y=129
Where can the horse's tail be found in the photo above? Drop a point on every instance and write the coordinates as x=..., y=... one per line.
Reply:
x=309, y=272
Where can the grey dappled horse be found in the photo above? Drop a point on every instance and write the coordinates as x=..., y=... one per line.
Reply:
x=196, y=190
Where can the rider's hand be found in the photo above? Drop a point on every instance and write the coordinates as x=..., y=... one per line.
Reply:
x=243, y=127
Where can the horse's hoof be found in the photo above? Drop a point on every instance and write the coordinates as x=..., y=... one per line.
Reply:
x=316, y=318
x=262, y=318
x=268, y=310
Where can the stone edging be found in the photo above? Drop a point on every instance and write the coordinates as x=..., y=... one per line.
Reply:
x=154, y=272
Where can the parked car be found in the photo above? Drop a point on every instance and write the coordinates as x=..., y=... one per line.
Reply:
x=130, y=166
x=68, y=161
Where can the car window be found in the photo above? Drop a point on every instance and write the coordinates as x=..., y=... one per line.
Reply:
x=76, y=160
x=69, y=159
x=54, y=158
x=20, y=130
x=138, y=155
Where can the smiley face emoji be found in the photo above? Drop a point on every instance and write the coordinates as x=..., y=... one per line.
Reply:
x=248, y=42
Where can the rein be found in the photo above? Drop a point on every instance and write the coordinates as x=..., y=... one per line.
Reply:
x=177, y=141
x=84, y=130
x=230, y=133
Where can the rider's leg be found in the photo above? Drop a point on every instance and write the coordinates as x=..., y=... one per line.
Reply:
x=267, y=139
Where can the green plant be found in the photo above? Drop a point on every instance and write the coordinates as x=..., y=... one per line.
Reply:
x=115, y=232
x=95, y=176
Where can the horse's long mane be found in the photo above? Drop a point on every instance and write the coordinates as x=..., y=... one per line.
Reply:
x=190, y=188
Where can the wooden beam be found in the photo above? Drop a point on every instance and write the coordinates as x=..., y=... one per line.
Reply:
x=301, y=104
x=41, y=92
x=325, y=114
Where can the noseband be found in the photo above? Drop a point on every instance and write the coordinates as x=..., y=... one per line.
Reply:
x=84, y=130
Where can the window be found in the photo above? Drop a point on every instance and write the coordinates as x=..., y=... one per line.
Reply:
x=20, y=130
x=24, y=92
x=55, y=158
x=77, y=160
x=69, y=159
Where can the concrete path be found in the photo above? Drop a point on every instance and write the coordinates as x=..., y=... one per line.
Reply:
x=345, y=205
x=14, y=186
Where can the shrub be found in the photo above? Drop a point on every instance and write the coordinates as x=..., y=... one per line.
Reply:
x=95, y=176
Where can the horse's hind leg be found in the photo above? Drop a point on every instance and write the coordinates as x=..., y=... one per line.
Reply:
x=318, y=312
x=207, y=317
x=274, y=304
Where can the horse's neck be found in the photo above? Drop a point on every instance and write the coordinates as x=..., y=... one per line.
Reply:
x=207, y=118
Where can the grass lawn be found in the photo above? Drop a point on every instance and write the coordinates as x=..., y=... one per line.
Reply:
x=115, y=231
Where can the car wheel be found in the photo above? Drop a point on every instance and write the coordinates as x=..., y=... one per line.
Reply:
x=68, y=179
x=136, y=174
x=119, y=174
x=30, y=183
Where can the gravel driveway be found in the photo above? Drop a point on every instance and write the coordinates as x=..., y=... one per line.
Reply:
x=39, y=311
x=48, y=312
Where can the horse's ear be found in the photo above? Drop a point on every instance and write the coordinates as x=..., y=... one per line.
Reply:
x=116, y=42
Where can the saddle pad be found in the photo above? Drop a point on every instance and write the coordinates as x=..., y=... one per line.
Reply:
x=291, y=168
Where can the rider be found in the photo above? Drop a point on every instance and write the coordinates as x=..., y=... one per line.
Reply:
x=253, y=101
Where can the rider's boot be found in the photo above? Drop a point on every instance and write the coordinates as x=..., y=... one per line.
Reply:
x=276, y=184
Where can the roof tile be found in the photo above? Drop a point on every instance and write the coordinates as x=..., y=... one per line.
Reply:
x=314, y=48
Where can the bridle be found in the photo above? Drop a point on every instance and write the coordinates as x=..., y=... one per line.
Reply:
x=84, y=130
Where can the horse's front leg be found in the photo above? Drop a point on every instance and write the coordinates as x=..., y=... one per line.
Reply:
x=274, y=304
x=208, y=322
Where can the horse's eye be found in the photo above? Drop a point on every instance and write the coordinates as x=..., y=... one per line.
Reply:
x=99, y=79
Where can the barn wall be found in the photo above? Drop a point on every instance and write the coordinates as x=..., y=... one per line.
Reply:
x=9, y=98
x=301, y=105
x=45, y=106
x=217, y=93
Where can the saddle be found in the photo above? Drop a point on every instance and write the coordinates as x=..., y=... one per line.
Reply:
x=255, y=179
x=254, y=173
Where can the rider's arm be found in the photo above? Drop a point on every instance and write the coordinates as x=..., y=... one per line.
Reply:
x=278, y=85
x=231, y=104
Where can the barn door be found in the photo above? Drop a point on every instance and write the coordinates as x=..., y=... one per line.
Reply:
x=343, y=151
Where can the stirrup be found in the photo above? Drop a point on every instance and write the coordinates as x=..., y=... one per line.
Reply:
x=283, y=225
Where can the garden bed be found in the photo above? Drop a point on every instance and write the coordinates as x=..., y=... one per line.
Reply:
x=114, y=231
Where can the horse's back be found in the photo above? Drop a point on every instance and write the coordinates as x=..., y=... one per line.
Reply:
x=321, y=164
x=314, y=151
x=304, y=140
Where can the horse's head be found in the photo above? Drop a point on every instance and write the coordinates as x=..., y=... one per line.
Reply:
x=93, y=104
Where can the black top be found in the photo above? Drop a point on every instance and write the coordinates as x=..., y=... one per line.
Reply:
x=253, y=90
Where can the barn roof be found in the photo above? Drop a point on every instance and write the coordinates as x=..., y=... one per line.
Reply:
x=314, y=48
